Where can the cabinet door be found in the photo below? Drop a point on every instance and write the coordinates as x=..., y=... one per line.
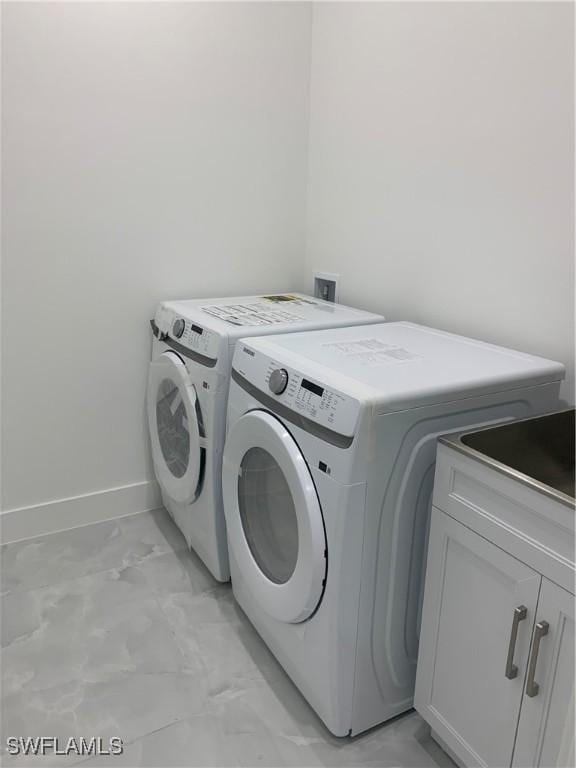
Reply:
x=546, y=728
x=474, y=591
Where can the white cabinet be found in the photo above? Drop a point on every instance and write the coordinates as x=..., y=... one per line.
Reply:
x=546, y=727
x=472, y=592
x=495, y=677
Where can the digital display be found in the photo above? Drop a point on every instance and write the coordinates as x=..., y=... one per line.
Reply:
x=197, y=329
x=314, y=388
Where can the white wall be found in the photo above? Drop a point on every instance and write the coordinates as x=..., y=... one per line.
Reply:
x=441, y=165
x=157, y=150
x=150, y=151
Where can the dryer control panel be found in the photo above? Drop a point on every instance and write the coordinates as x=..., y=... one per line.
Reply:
x=190, y=334
x=305, y=395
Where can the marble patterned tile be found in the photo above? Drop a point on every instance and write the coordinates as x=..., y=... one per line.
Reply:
x=90, y=549
x=18, y=617
x=151, y=533
x=93, y=628
x=62, y=556
x=206, y=621
x=272, y=724
x=118, y=630
x=128, y=707
x=405, y=741
x=242, y=738
x=194, y=743
x=211, y=627
x=179, y=572
x=258, y=732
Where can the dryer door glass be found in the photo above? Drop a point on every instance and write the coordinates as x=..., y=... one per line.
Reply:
x=268, y=515
x=176, y=428
x=172, y=423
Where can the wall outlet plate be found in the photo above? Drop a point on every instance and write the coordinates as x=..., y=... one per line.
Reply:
x=327, y=286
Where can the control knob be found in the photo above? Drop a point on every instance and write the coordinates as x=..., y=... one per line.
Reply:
x=278, y=381
x=178, y=327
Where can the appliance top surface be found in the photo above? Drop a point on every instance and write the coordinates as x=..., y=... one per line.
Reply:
x=239, y=316
x=402, y=365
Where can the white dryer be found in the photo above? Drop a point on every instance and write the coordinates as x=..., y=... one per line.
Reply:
x=327, y=477
x=187, y=396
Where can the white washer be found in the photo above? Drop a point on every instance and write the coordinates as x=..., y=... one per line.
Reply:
x=187, y=396
x=327, y=476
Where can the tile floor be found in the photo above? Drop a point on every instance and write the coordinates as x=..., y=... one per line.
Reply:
x=115, y=629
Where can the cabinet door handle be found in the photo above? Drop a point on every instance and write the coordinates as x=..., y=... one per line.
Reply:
x=541, y=631
x=519, y=615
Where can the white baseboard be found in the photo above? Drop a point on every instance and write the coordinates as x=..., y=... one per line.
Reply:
x=63, y=514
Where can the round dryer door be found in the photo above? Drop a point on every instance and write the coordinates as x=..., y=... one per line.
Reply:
x=175, y=427
x=273, y=517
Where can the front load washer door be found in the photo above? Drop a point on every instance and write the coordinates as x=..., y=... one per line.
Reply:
x=273, y=517
x=175, y=428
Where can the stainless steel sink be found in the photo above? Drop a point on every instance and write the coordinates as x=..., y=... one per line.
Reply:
x=538, y=451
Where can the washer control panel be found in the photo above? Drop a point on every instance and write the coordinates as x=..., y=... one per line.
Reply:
x=303, y=394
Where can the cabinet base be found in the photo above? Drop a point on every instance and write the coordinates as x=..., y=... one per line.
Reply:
x=441, y=743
